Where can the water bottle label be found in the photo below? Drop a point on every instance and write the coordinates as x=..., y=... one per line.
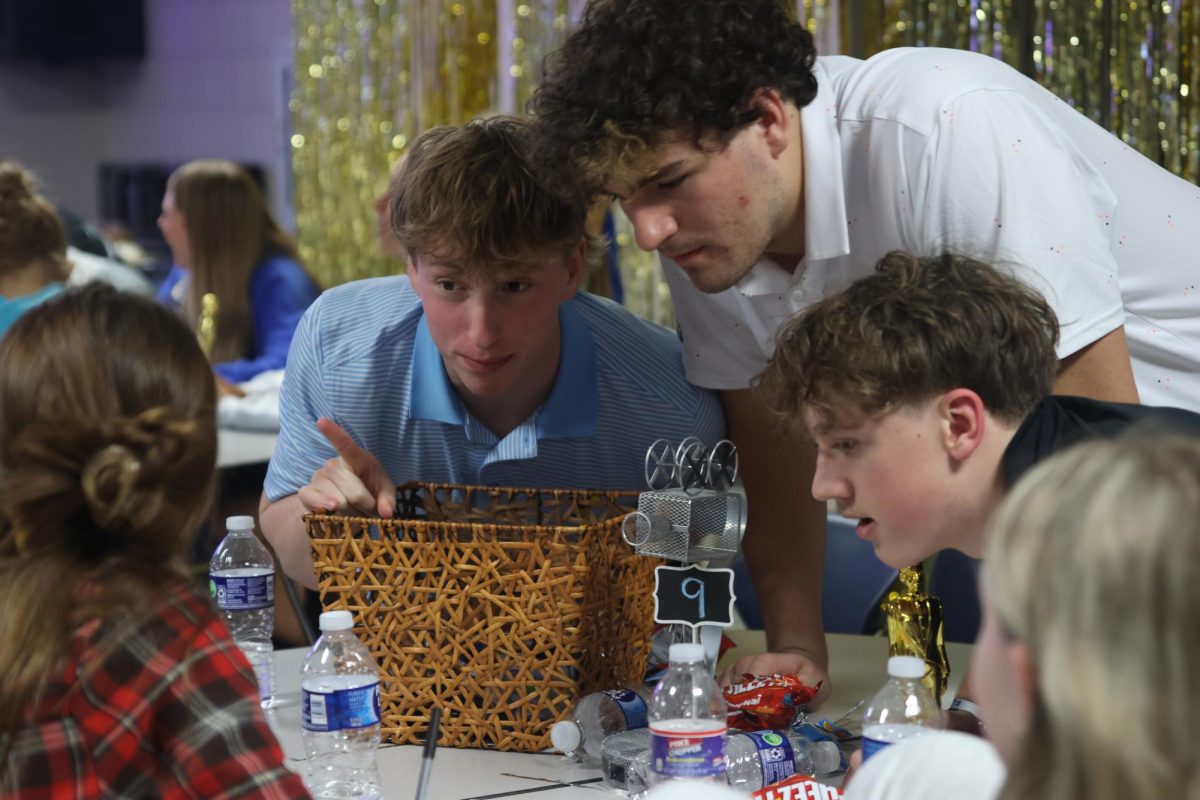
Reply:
x=775, y=754
x=242, y=592
x=340, y=709
x=689, y=754
x=872, y=746
x=632, y=706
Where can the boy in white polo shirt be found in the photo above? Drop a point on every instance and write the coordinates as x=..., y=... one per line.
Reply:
x=770, y=178
x=484, y=365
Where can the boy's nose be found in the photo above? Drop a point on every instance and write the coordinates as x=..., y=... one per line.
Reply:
x=652, y=226
x=827, y=486
x=485, y=325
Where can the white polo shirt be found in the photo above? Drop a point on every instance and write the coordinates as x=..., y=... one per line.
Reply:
x=930, y=150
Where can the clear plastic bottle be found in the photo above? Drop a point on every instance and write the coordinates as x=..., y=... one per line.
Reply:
x=241, y=579
x=756, y=759
x=687, y=721
x=595, y=716
x=902, y=709
x=339, y=711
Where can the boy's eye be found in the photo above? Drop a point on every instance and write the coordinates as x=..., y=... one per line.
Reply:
x=515, y=286
x=845, y=445
x=672, y=184
x=445, y=285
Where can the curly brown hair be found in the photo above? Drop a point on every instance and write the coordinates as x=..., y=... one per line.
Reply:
x=637, y=73
x=913, y=329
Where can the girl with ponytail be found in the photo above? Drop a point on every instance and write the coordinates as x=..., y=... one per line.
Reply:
x=117, y=679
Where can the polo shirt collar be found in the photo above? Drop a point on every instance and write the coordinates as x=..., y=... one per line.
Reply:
x=826, y=233
x=569, y=411
x=431, y=395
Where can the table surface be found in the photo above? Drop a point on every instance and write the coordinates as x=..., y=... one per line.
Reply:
x=857, y=664
x=236, y=448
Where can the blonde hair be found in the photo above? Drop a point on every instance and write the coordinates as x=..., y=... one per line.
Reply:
x=30, y=231
x=1093, y=562
x=230, y=231
x=107, y=459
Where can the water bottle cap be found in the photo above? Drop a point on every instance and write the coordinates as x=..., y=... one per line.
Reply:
x=565, y=736
x=239, y=523
x=336, y=621
x=826, y=757
x=685, y=653
x=906, y=667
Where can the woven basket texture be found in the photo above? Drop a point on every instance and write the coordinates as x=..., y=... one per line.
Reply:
x=502, y=606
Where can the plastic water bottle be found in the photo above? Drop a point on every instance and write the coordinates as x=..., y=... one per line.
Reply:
x=687, y=721
x=596, y=716
x=241, y=579
x=756, y=759
x=339, y=711
x=902, y=709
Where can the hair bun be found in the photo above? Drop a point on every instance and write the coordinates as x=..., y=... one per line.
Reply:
x=110, y=482
x=122, y=475
x=16, y=185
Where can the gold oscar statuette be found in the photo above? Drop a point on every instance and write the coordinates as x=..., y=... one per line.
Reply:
x=206, y=330
x=914, y=626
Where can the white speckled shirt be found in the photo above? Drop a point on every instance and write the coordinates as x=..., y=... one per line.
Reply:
x=931, y=150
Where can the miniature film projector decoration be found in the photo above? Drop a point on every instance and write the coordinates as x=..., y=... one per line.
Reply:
x=692, y=513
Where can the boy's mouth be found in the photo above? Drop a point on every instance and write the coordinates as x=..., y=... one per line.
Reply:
x=865, y=528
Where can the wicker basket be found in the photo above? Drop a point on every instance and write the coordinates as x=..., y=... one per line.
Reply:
x=502, y=606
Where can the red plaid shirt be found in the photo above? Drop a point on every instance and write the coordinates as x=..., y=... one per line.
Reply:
x=172, y=711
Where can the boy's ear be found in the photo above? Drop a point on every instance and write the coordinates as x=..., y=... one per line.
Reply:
x=773, y=119
x=576, y=269
x=964, y=421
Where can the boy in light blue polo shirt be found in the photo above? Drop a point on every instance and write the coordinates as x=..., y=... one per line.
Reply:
x=484, y=365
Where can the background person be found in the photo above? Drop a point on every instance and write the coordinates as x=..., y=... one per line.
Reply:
x=117, y=678
x=33, y=247
x=224, y=240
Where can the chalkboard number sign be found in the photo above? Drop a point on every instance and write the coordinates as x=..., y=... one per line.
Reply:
x=693, y=596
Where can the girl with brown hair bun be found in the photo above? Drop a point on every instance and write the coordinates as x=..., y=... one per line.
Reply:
x=33, y=247
x=117, y=678
x=224, y=241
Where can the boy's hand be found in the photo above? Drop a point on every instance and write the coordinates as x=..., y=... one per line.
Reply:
x=784, y=663
x=354, y=482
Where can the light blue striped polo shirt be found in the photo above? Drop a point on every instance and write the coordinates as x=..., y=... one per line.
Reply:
x=362, y=356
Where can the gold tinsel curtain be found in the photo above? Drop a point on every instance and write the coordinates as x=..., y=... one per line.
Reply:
x=372, y=74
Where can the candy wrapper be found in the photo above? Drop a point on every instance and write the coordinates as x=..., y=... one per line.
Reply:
x=914, y=626
x=797, y=787
x=760, y=702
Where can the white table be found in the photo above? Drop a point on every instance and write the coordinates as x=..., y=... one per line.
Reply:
x=236, y=448
x=857, y=664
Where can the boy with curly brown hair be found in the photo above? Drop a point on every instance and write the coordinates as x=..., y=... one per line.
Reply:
x=926, y=388
x=769, y=178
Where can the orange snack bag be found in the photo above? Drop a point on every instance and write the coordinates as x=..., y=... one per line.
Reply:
x=761, y=702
